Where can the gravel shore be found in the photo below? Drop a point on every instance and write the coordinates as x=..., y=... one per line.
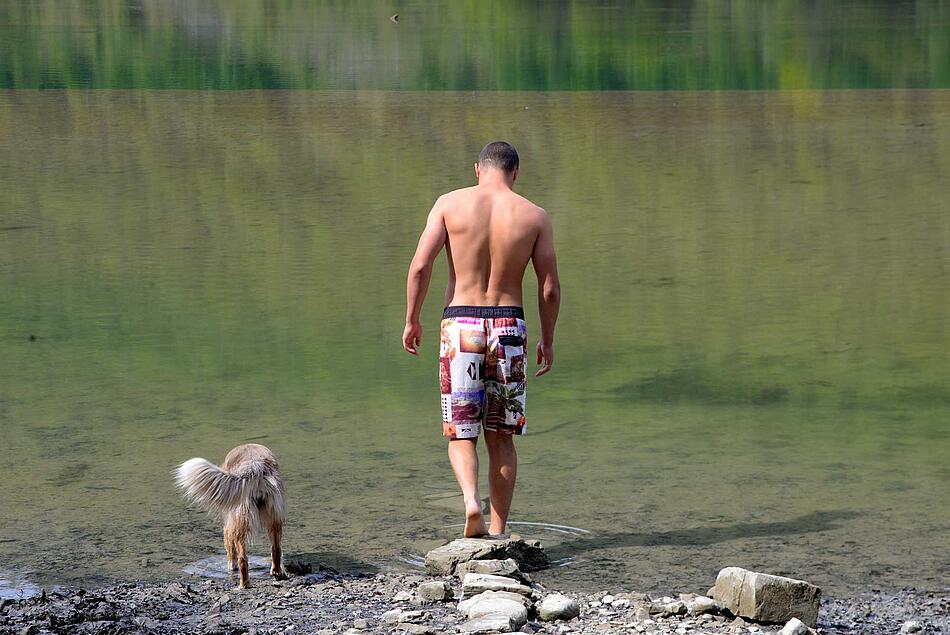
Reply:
x=326, y=603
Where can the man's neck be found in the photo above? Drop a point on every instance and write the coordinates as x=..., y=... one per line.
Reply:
x=495, y=179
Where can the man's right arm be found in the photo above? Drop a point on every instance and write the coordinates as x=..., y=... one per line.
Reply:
x=549, y=292
x=420, y=272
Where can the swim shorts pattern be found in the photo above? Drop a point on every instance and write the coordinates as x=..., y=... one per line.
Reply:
x=482, y=371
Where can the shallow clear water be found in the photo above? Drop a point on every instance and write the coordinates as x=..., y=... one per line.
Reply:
x=752, y=354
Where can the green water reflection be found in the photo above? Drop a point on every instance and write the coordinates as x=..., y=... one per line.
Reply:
x=475, y=45
x=751, y=359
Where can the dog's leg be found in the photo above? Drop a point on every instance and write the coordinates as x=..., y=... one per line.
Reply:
x=242, y=564
x=275, y=528
x=239, y=528
x=229, y=547
x=230, y=543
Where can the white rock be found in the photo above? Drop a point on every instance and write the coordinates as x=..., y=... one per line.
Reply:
x=558, y=607
x=475, y=583
x=766, y=598
x=674, y=608
x=395, y=616
x=622, y=603
x=494, y=623
x=911, y=626
x=433, y=591
x=607, y=599
x=702, y=604
x=794, y=627
x=508, y=568
x=489, y=604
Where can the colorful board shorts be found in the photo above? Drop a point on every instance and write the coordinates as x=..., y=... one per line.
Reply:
x=482, y=370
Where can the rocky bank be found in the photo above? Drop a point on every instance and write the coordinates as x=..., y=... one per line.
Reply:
x=488, y=594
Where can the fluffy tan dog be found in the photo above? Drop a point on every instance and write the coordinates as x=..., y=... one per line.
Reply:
x=248, y=491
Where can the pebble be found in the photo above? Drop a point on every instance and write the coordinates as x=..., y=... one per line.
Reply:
x=911, y=626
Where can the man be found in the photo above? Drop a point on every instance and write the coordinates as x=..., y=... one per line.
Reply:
x=490, y=234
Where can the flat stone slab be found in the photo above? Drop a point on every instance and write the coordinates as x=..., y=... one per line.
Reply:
x=766, y=598
x=507, y=595
x=444, y=560
x=493, y=623
x=475, y=583
x=507, y=567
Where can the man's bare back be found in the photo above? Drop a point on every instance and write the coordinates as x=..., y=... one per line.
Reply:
x=489, y=234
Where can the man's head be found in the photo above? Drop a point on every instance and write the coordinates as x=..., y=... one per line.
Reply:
x=498, y=155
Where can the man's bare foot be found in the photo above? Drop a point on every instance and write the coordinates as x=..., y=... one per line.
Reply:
x=474, y=521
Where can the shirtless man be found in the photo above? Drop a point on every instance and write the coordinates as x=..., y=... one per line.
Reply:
x=489, y=233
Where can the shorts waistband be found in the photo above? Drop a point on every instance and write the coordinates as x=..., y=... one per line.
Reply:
x=483, y=312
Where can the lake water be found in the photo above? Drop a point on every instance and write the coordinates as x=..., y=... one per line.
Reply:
x=752, y=357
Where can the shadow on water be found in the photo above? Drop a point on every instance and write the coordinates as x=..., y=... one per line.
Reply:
x=259, y=566
x=340, y=562
x=699, y=536
x=691, y=384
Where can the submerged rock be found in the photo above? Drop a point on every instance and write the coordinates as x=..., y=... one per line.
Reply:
x=766, y=598
x=444, y=560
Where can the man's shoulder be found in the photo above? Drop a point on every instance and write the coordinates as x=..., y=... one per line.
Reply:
x=529, y=206
x=455, y=195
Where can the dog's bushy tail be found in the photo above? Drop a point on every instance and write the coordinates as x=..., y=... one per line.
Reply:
x=219, y=491
x=206, y=484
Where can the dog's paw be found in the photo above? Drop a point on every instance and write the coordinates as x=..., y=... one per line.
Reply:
x=278, y=574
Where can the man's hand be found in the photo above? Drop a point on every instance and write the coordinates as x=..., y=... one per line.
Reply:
x=545, y=354
x=412, y=337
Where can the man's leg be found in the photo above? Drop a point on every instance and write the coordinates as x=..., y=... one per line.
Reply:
x=464, y=461
x=502, y=469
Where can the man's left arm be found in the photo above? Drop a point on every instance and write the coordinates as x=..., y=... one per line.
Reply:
x=420, y=273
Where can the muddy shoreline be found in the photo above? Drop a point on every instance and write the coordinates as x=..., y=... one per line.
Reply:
x=329, y=602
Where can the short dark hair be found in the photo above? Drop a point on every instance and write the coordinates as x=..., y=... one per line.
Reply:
x=499, y=154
